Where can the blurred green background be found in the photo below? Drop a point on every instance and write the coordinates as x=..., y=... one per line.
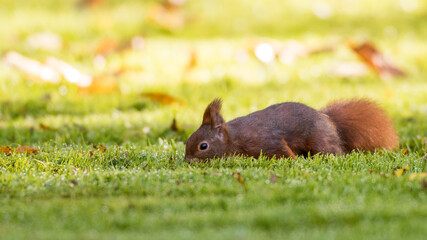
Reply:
x=152, y=61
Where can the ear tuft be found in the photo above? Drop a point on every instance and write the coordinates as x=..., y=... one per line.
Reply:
x=213, y=110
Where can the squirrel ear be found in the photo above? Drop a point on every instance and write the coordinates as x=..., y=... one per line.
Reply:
x=212, y=114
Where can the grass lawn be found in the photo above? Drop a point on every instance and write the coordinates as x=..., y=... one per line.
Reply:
x=140, y=187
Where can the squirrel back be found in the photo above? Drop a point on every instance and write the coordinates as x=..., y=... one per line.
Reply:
x=290, y=129
x=362, y=125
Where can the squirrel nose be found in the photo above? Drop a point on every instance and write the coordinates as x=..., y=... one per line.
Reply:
x=190, y=159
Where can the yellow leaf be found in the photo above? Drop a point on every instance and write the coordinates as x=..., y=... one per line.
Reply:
x=405, y=151
x=413, y=176
x=401, y=171
x=161, y=98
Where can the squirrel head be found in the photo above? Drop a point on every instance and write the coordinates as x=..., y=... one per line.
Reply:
x=211, y=139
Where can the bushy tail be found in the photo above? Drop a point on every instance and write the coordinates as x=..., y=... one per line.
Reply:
x=362, y=125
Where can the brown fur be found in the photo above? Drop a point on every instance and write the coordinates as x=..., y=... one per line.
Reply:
x=290, y=129
x=362, y=125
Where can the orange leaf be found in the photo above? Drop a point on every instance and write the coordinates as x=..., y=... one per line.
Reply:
x=27, y=150
x=161, y=98
x=6, y=150
x=375, y=60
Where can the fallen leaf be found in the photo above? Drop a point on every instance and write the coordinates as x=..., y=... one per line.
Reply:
x=6, y=150
x=405, y=151
x=376, y=61
x=161, y=98
x=424, y=183
x=27, y=150
x=401, y=171
x=44, y=127
x=70, y=73
x=238, y=177
x=273, y=178
x=413, y=176
x=101, y=148
x=192, y=61
x=33, y=68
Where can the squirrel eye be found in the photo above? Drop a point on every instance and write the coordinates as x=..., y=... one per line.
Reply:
x=203, y=146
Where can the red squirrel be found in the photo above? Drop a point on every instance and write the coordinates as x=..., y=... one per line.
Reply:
x=289, y=129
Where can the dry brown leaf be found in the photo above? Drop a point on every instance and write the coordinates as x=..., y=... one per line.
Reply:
x=101, y=148
x=273, y=178
x=91, y=153
x=376, y=61
x=44, y=127
x=27, y=150
x=161, y=98
x=401, y=171
x=238, y=177
x=6, y=150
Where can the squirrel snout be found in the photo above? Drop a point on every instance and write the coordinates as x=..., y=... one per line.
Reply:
x=190, y=159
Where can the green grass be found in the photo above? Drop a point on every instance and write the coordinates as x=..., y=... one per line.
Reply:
x=142, y=188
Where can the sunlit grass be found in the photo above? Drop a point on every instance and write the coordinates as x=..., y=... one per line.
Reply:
x=141, y=187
